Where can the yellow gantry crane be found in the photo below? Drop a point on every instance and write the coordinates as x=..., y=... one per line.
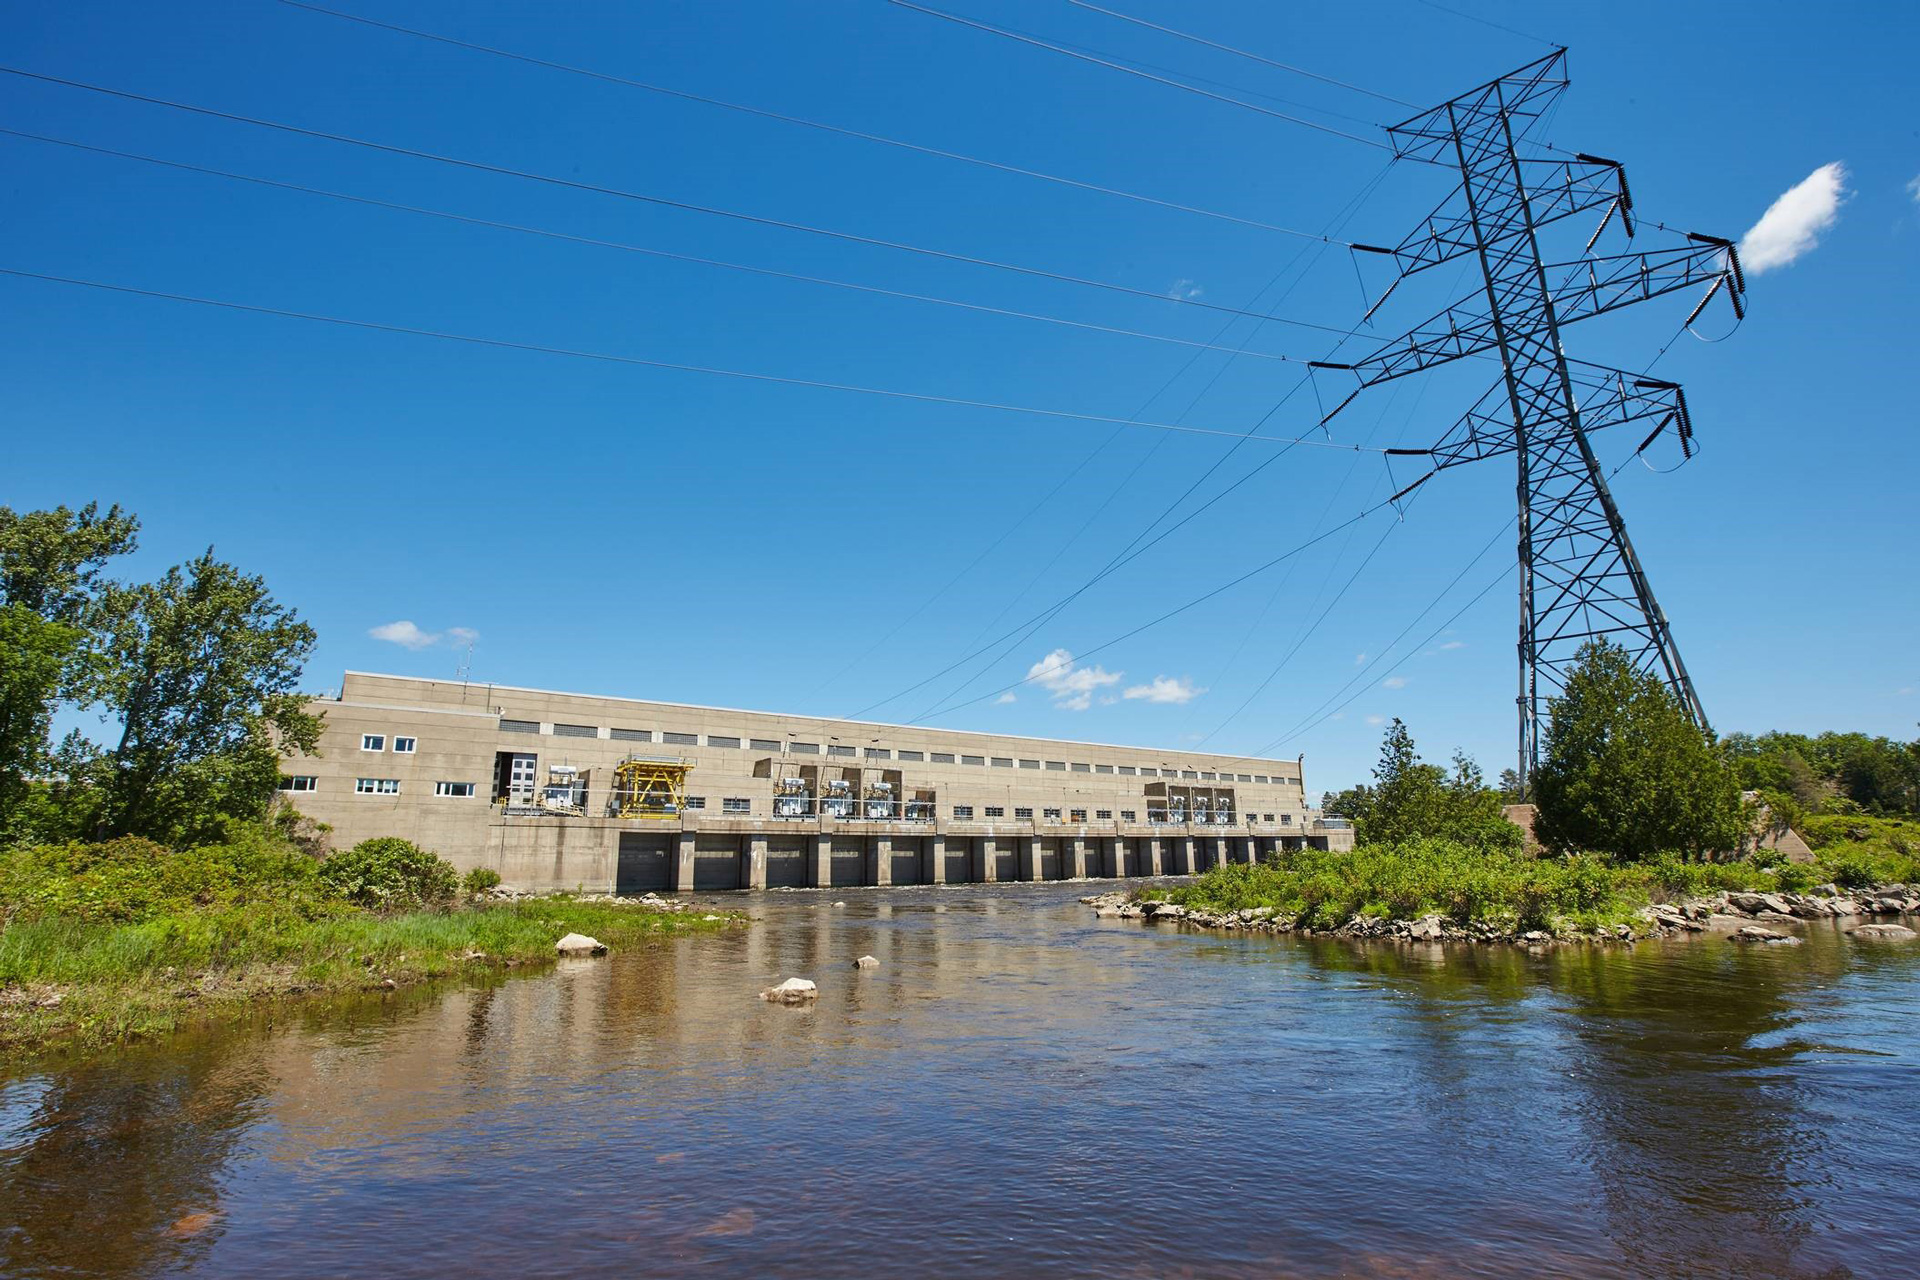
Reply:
x=649, y=788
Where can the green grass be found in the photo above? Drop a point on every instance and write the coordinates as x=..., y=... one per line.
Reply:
x=120, y=981
x=1422, y=877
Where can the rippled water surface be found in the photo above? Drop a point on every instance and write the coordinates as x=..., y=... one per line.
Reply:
x=1018, y=1090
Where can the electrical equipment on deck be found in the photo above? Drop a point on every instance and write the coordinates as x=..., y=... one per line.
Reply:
x=879, y=802
x=791, y=799
x=839, y=802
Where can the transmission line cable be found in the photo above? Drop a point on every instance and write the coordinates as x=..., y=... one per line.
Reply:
x=1144, y=75
x=1227, y=48
x=1489, y=22
x=480, y=166
x=646, y=362
x=595, y=242
x=766, y=114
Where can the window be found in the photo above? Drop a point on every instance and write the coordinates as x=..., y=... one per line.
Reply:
x=453, y=790
x=1260, y=777
x=963, y=811
x=376, y=786
x=631, y=735
x=373, y=742
x=576, y=731
x=1244, y=777
x=736, y=804
x=1185, y=773
x=763, y=744
x=804, y=748
x=879, y=753
x=980, y=760
x=1207, y=776
x=1003, y=762
x=916, y=755
x=1286, y=819
x=300, y=782
x=1082, y=768
x=696, y=802
x=404, y=746
x=1025, y=815
x=1129, y=815
x=519, y=726
x=1103, y=815
x=1126, y=771
x=946, y=757
x=1077, y=815
x=680, y=739
x=836, y=749
x=1029, y=764
x=1268, y=818
x=1058, y=766
x=715, y=740
x=1103, y=768
x=1050, y=815
x=1148, y=771
x=996, y=811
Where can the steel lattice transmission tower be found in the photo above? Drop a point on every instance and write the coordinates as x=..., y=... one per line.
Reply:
x=1579, y=576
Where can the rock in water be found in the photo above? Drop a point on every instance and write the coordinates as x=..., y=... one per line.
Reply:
x=792, y=991
x=579, y=944
x=1425, y=929
x=1885, y=932
x=1754, y=933
x=866, y=962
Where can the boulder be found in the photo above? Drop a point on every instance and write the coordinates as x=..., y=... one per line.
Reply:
x=866, y=962
x=1810, y=909
x=579, y=944
x=1425, y=929
x=792, y=991
x=1754, y=933
x=1751, y=903
x=1884, y=932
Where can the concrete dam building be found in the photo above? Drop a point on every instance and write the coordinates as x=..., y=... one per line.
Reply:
x=565, y=791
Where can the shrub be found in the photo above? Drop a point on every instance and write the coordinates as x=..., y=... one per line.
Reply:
x=389, y=873
x=130, y=879
x=479, y=880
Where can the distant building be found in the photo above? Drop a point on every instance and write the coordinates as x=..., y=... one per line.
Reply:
x=564, y=791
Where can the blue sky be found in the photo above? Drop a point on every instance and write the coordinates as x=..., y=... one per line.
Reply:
x=610, y=528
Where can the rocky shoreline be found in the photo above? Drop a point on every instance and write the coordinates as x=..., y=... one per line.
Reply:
x=1744, y=917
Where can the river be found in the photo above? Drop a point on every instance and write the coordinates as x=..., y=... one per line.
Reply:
x=1018, y=1090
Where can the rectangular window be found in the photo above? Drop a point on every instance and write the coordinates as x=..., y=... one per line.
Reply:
x=453, y=790
x=630, y=735
x=1049, y=815
x=1126, y=771
x=696, y=802
x=1082, y=768
x=1058, y=766
x=681, y=739
x=1244, y=777
x=1103, y=815
x=519, y=726
x=404, y=746
x=879, y=753
x=804, y=748
x=1129, y=815
x=946, y=757
x=916, y=755
x=979, y=760
x=1208, y=776
x=1269, y=817
x=1003, y=762
x=736, y=804
x=373, y=742
x=1148, y=771
x=963, y=811
x=763, y=744
x=1025, y=815
x=1103, y=768
x=1029, y=764
x=300, y=782
x=837, y=749
x=376, y=786
x=576, y=731
x=1260, y=777
x=1077, y=815
x=996, y=811
x=1186, y=773
x=716, y=740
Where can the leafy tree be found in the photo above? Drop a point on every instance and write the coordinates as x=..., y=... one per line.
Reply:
x=50, y=565
x=1626, y=773
x=199, y=669
x=1412, y=800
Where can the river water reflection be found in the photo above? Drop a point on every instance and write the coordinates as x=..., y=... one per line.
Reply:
x=1019, y=1090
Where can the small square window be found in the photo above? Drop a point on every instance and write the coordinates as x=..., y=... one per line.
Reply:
x=1050, y=815
x=403, y=746
x=1103, y=815
x=1269, y=817
x=736, y=804
x=453, y=790
x=996, y=811
x=1025, y=815
x=1077, y=815
x=696, y=802
x=300, y=782
x=963, y=811
x=373, y=742
x=1129, y=815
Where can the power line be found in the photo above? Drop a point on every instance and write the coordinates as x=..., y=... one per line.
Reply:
x=595, y=242
x=1488, y=22
x=764, y=113
x=571, y=184
x=1144, y=75
x=1227, y=48
x=644, y=362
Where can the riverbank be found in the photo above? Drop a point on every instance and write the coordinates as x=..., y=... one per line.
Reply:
x=1436, y=891
x=74, y=986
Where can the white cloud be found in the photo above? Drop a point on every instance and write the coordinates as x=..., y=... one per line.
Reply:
x=1907, y=692
x=1359, y=659
x=1185, y=289
x=1913, y=189
x=1454, y=644
x=1792, y=225
x=1176, y=689
x=1005, y=698
x=408, y=636
x=1394, y=682
x=1376, y=719
x=1071, y=686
